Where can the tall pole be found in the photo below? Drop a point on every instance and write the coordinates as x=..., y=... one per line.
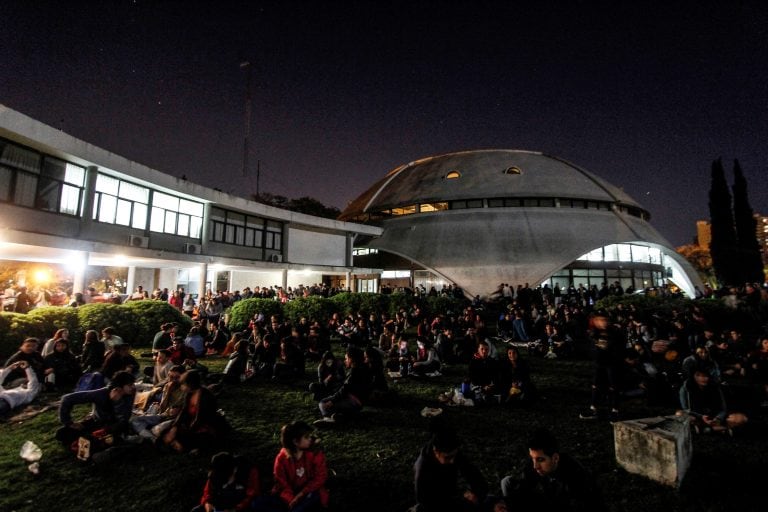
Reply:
x=247, y=66
x=258, y=175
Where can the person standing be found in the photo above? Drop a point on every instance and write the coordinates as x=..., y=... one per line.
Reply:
x=608, y=349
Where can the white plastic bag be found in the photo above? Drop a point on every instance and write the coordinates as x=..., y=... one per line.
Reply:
x=30, y=452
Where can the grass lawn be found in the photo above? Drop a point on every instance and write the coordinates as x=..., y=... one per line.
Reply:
x=373, y=458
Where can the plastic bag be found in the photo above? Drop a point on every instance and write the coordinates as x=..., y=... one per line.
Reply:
x=30, y=452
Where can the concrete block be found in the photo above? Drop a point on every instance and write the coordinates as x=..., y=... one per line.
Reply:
x=659, y=448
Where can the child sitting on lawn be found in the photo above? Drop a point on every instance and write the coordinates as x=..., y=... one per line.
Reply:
x=299, y=472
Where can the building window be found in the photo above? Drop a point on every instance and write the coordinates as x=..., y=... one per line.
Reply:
x=432, y=207
x=404, y=210
x=236, y=228
x=176, y=216
x=28, y=178
x=513, y=170
x=453, y=175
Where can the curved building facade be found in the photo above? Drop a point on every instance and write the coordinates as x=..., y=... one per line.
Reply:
x=480, y=218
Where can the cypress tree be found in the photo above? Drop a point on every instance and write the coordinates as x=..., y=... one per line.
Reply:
x=723, y=246
x=750, y=260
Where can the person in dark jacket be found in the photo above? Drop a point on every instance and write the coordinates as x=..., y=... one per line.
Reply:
x=198, y=424
x=112, y=407
x=356, y=389
x=28, y=352
x=436, y=477
x=551, y=481
x=92, y=357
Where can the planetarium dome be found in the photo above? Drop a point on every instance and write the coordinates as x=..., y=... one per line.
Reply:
x=485, y=217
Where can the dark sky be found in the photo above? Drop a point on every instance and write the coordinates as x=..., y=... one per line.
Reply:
x=643, y=95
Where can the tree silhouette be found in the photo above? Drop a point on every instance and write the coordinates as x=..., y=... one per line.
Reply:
x=723, y=246
x=750, y=263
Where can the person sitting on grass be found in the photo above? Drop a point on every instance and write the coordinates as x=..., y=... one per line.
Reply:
x=436, y=476
x=119, y=359
x=27, y=352
x=198, y=424
x=701, y=397
x=182, y=354
x=237, y=365
x=515, y=382
x=22, y=394
x=551, y=480
x=112, y=407
x=92, y=356
x=146, y=422
x=330, y=376
x=61, y=367
x=232, y=484
x=483, y=373
x=425, y=361
x=349, y=399
x=300, y=473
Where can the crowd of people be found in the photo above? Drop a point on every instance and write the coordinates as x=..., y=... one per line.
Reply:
x=680, y=360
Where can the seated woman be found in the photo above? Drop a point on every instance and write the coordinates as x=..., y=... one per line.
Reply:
x=199, y=424
x=515, y=383
x=61, y=367
x=237, y=365
x=353, y=393
x=426, y=360
x=330, y=377
x=58, y=335
x=92, y=357
x=300, y=473
x=232, y=484
x=290, y=361
x=375, y=363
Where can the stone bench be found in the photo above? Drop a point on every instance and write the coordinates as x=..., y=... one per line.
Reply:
x=659, y=448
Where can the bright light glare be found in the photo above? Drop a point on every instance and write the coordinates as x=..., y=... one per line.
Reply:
x=120, y=260
x=42, y=276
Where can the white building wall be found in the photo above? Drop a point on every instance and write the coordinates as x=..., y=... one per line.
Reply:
x=167, y=279
x=316, y=248
x=241, y=279
x=295, y=278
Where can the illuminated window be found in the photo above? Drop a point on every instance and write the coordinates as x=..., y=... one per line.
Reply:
x=453, y=175
x=513, y=170
x=174, y=215
x=404, y=210
x=432, y=207
x=120, y=202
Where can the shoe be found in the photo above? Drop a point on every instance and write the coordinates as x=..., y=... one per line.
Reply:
x=589, y=414
x=325, y=421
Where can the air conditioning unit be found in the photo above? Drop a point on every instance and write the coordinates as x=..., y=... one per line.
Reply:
x=276, y=258
x=192, y=248
x=138, y=241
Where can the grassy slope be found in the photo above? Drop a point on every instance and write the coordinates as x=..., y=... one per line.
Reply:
x=373, y=458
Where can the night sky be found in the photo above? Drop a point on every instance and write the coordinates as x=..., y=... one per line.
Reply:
x=343, y=92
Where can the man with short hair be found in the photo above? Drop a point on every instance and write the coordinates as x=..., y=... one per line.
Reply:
x=110, y=339
x=112, y=406
x=551, y=480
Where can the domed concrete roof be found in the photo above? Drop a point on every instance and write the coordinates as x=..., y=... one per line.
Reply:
x=480, y=218
x=485, y=174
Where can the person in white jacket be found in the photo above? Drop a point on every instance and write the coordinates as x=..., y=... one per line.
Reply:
x=20, y=395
